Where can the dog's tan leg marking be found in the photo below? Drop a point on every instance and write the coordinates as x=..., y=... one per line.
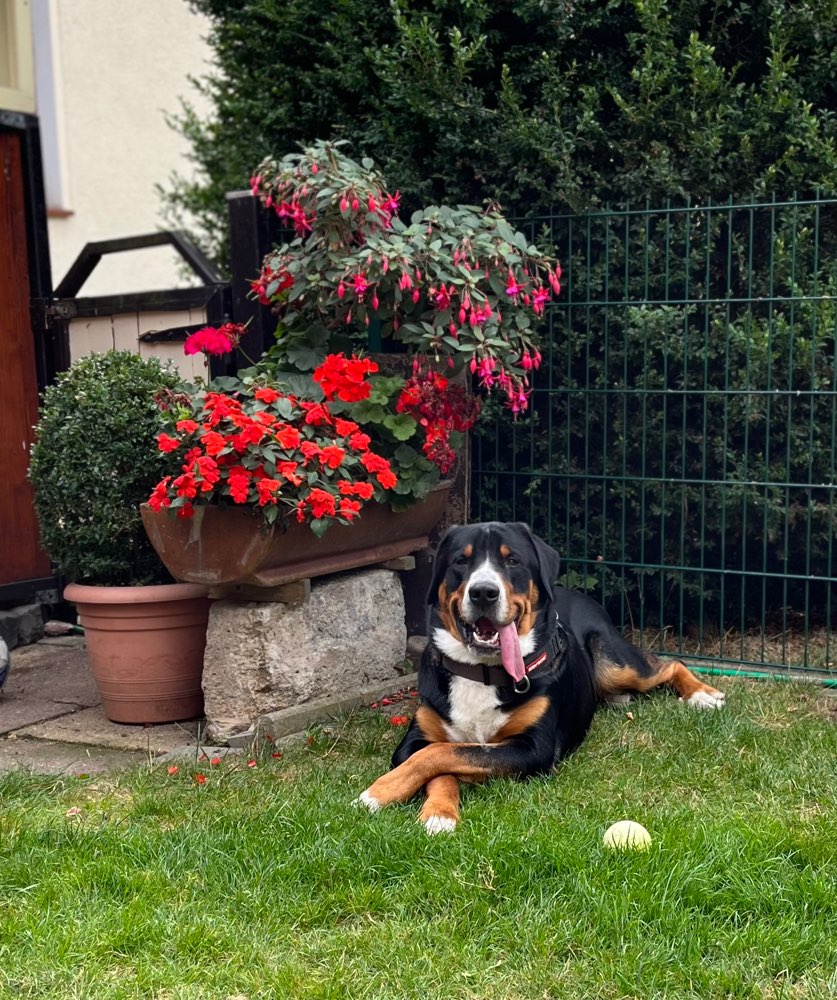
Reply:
x=402, y=783
x=614, y=679
x=440, y=811
x=431, y=724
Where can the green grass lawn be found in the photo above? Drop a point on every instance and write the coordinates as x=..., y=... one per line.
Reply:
x=266, y=882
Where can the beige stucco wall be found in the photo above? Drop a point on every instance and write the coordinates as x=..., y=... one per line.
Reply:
x=118, y=68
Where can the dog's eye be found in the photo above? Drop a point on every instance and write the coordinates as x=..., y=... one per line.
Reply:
x=512, y=561
x=461, y=560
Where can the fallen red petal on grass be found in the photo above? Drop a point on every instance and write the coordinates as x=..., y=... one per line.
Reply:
x=386, y=701
x=173, y=769
x=200, y=779
x=215, y=760
x=399, y=720
x=251, y=763
x=276, y=755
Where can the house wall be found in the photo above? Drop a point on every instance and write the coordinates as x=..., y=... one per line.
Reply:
x=107, y=72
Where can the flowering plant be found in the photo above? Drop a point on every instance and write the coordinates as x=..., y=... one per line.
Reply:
x=296, y=447
x=457, y=285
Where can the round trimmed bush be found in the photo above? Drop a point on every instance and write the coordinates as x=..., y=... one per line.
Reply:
x=94, y=460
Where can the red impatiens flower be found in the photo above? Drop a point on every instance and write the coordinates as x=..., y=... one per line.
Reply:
x=322, y=503
x=288, y=437
x=345, y=378
x=267, y=490
x=267, y=395
x=332, y=456
x=166, y=443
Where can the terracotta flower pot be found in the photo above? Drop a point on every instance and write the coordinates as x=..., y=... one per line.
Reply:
x=234, y=545
x=146, y=648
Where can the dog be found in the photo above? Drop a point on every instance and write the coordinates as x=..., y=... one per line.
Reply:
x=514, y=669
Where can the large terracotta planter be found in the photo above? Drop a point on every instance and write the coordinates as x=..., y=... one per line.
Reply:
x=146, y=647
x=221, y=545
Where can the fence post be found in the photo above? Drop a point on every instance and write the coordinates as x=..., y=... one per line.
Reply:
x=250, y=240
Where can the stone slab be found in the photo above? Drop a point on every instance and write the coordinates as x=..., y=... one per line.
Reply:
x=188, y=751
x=90, y=727
x=290, y=721
x=44, y=757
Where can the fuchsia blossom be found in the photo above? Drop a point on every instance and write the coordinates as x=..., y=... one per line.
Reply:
x=539, y=299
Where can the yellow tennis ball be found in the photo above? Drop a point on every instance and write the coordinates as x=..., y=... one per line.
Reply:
x=627, y=834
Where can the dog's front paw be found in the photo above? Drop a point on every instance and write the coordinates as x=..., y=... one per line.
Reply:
x=368, y=800
x=438, y=824
x=710, y=698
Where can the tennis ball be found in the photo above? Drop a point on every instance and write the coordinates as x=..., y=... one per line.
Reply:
x=627, y=834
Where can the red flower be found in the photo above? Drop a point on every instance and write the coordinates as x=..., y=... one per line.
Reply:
x=388, y=479
x=309, y=449
x=345, y=427
x=345, y=378
x=200, y=778
x=172, y=769
x=239, y=483
x=399, y=720
x=359, y=441
x=267, y=395
x=166, y=443
x=213, y=442
x=214, y=761
x=187, y=426
x=332, y=456
x=288, y=437
x=316, y=414
x=160, y=495
x=322, y=503
x=362, y=490
x=374, y=463
x=288, y=470
x=267, y=489
x=210, y=341
x=348, y=509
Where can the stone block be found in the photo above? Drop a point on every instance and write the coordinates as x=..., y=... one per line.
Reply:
x=21, y=626
x=261, y=658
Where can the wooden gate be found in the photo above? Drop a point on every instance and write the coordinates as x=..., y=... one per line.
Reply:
x=21, y=557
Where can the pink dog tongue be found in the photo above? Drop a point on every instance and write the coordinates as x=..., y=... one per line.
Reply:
x=510, y=652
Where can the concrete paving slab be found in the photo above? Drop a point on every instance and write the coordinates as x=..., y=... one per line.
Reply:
x=44, y=757
x=90, y=726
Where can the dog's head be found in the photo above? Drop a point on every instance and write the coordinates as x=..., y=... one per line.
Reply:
x=486, y=577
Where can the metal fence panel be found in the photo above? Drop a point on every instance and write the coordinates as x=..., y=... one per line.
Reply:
x=680, y=451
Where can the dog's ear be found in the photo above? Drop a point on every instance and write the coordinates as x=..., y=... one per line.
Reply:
x=549, y=562
x=440, y=564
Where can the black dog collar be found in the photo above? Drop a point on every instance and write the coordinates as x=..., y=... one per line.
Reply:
x=554, y=648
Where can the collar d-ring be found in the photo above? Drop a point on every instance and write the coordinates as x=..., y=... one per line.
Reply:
x=523, y=685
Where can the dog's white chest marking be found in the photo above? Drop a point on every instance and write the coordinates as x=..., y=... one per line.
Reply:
x=474, y=711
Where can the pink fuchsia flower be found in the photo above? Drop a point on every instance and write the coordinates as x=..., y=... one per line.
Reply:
x=513, y=288
x=390, y=203
x=442, y=297
x=359, y=284
x=539, y=300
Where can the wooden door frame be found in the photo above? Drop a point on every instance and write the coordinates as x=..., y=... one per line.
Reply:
x=50, y=340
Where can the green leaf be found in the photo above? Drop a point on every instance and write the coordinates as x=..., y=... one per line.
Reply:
x=402, y=425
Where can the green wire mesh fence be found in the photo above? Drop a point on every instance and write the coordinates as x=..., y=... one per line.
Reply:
x=681, y=446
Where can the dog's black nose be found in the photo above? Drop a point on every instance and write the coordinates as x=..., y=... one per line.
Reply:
x=483, y=594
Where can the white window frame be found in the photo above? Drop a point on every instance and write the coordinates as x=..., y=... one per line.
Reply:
x=17, y=57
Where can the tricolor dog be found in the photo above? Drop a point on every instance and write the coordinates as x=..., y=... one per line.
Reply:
x=513, y=671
